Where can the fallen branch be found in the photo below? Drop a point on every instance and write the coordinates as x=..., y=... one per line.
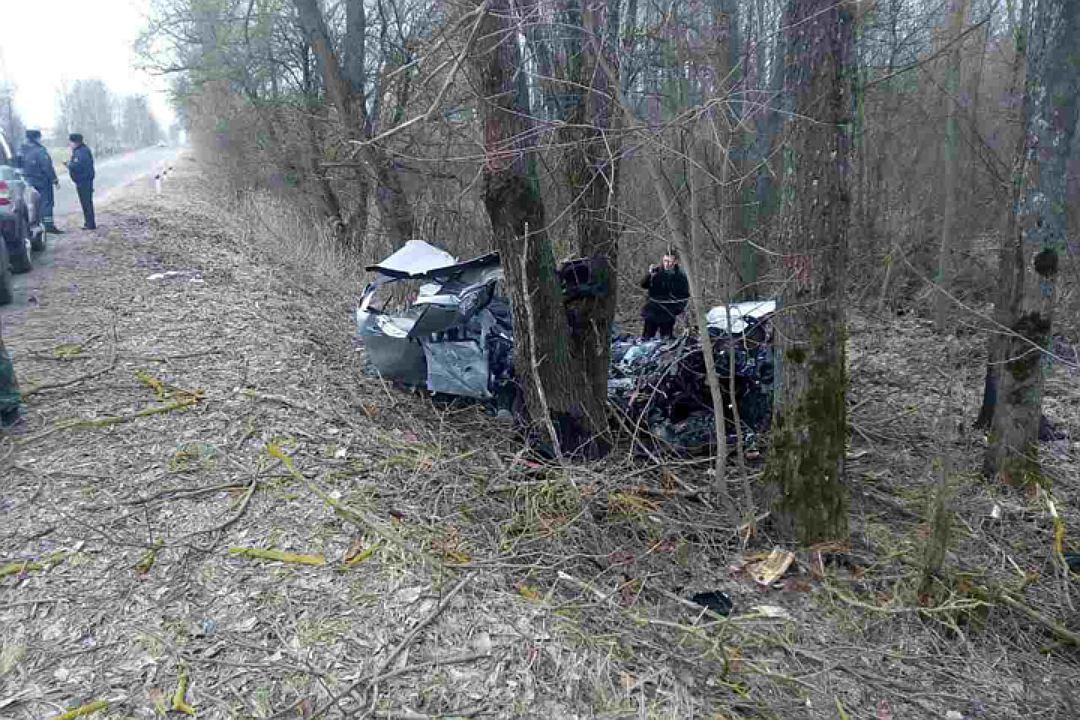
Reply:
x=83, y=710
x=288, y=402
x=351, y=514
x=278, y=555
x=439, y=662
x=115, y=419
x=356, y=517
x=68, y=383
x=28, y=565
x=1056, y=629
x=410, y=715
x=408, y=639
x=179, y=701
x=183, y=493
x=424, y=623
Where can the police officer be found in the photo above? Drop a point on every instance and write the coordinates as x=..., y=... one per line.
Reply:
x=9, y=389
x=37, y=167
x=669, y=291
x=81, y=169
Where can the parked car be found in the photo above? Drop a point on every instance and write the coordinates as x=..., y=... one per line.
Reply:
x=21, y=228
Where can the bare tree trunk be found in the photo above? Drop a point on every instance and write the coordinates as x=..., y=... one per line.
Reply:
x=806, y=453
x=350, y=104
x=593, y=175
x=542, y=355
x=949, y=235
x=768, y=127
x=1052, y=99
x=688, y=257
x=1010, y=249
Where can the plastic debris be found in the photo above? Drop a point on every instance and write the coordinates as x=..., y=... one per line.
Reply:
x=169, y=274
x=716, y=601
x=772, y=568
x=772, y=612
x=660, y=386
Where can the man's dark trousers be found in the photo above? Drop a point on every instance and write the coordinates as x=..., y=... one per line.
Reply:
x=665, y=329
x=48, y=199
x=86, y=199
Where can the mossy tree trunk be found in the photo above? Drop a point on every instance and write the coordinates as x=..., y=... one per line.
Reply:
x=1051, y=101
x=806, y=455
x=543, y=362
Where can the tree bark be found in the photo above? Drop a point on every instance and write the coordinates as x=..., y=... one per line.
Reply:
x=543, y=362
x=948, y=240
x=1010, y=248
x=1051, y=99
x=763, y=203
x=593, y=176
x=806, y=454
x=350, y=104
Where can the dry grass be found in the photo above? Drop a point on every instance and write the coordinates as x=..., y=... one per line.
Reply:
x=459, y=578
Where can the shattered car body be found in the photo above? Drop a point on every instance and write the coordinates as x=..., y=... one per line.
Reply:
x=659, y=386
x=428, y=320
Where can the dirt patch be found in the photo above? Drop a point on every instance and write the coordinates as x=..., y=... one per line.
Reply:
x=202, y=401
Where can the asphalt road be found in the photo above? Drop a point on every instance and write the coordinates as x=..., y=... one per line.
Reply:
x=113, y=173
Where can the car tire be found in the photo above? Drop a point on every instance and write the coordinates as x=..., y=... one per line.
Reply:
x=37, y=238
x=19, y=250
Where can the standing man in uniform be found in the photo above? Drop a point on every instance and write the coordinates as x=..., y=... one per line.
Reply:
x=9, y=389
x=37, y=167
x=669, y=291
x=81, y=169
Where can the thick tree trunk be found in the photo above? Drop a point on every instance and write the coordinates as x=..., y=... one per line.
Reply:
x=806, y=453
x=543, y=362
x=949, y=237
x=1010, y=249
x=593, y=176
x=1052, y=97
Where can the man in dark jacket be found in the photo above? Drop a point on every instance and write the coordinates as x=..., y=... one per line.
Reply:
x=81, y=169
x=668, y=292
x=38, y=170
x=9, y=389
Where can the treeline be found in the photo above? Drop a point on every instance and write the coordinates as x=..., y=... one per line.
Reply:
x=821, y=152
x=109, y=122
x=11, y=123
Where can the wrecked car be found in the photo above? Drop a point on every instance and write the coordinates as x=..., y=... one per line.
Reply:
x=659, y=386
x=429, y=320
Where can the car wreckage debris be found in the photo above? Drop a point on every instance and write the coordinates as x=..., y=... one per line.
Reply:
x=428, y=320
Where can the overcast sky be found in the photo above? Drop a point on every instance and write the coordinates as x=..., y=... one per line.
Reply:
x=47, y=42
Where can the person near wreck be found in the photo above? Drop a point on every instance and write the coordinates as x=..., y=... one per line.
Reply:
x=37, y=167
x=669, y=291
x=81, y=169
x=9, y=389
